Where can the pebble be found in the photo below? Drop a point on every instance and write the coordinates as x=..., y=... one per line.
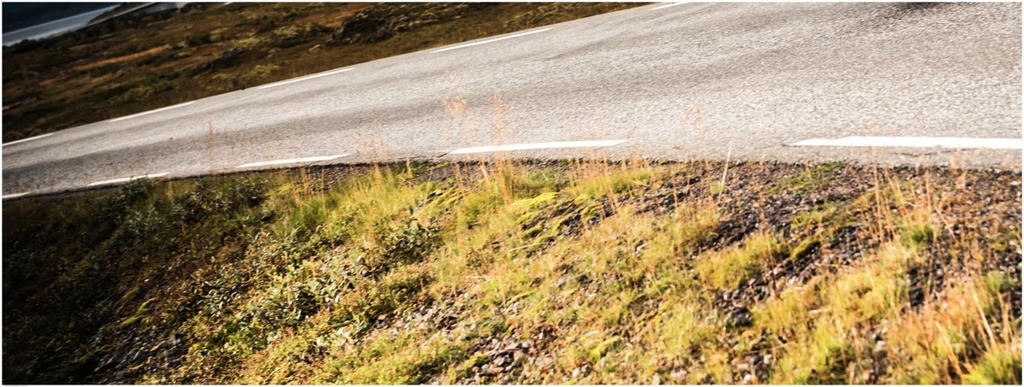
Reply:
x=488, y=370
x=679, y=375
x=738, y=317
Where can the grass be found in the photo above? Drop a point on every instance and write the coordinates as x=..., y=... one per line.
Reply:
x=573, y=272
x=728, y=269
x=578, y=271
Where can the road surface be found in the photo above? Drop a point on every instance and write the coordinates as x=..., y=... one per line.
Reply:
x=894, y=84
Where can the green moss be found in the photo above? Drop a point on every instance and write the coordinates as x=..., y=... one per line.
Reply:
x=601, y=349
x=465, y=369
x=140, y=313
x=824, y=214
x=999, y=282
x=918, y=235
x=811, y=178
x=524, y=205
x=729, y=268
x=717, y=188
x=802, y=249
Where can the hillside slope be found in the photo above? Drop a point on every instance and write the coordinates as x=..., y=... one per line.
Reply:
x=570, y=272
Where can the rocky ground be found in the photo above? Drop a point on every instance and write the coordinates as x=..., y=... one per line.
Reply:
x=825, y=226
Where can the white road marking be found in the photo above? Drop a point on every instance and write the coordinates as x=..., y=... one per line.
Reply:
x=291, y=161
x=127, y=179
x=29, y=139
x=491, y=40
x=152, y=111
x=12, y=196
x=667, y=5
x=543, y=145
x=306, y=78
x=916, y=142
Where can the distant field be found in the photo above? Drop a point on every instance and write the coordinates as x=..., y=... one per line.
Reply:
x=567, y=272
x=130, y=65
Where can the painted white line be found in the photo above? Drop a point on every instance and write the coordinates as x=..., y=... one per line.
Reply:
x=542, y=145
x=152, y=111
x=12, y=196
x=29, y=139
x=667, y=5
x=491, y=40
x=916, y=142
x=291, y=161
x=127, y=179
x=306, y=78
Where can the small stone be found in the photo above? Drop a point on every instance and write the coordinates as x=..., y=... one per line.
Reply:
x=544, y=362
x=738, y=317
x=679, y=375
x=517, y=357
x=488, y=370
x=880, y=346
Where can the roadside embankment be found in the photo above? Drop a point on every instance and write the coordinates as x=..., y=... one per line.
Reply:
x=517, y=272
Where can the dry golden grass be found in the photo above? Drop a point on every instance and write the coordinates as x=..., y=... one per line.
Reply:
x=530, y=273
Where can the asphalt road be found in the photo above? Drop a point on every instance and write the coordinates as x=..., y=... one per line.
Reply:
x=739, y=82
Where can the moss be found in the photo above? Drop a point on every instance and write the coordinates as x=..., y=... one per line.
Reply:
x=465, y=369
x=531, y=204
x=602, y=348
x=803, y=182
x=998, y=282
x=729, y=268
x=801, y=250
x=717, y=188
x=919, y=235
x=140, y=313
